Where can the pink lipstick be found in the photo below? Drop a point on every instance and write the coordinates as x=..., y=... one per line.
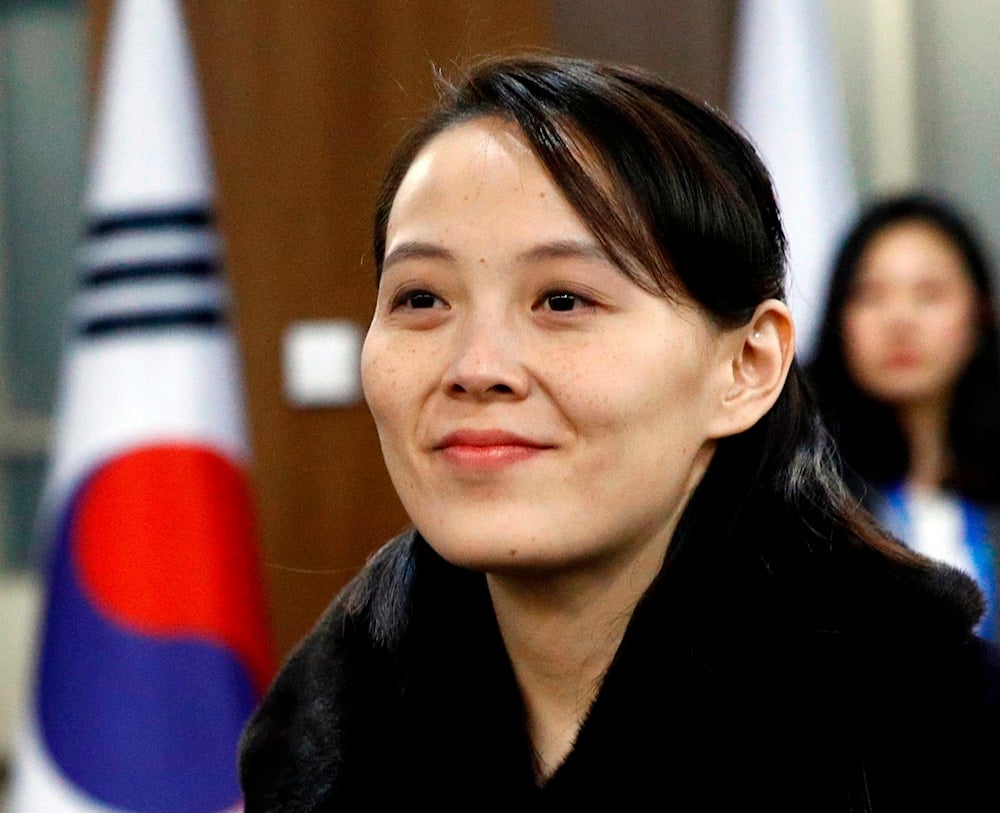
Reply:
x=487, y=449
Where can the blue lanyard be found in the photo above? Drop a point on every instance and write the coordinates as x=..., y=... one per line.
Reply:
x=898, y=520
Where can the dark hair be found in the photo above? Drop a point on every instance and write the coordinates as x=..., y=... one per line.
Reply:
x=869, y=435
x=682, y=202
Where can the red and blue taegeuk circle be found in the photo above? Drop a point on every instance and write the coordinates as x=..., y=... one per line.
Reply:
x=156, y=647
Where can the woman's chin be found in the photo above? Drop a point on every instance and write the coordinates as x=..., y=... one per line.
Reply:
x=509, y=554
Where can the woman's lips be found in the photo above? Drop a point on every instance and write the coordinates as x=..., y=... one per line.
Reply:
x=902, y=359
x=488, y=449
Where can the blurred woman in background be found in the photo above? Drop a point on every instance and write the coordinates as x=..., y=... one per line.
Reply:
x=908, y=372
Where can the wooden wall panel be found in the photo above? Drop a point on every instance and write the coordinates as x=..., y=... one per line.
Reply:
x=686, y=41
x=304, y=102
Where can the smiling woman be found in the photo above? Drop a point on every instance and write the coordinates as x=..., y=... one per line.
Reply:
x=520, y=381
x=633, y=567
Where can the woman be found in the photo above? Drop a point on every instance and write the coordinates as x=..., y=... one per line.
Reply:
x=908, y=372
x=634, y=575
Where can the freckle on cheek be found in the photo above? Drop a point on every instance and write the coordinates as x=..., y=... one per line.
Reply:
x=512, y=552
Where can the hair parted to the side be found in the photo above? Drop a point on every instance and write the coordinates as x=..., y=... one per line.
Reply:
x=680, y=200
x=869, y=435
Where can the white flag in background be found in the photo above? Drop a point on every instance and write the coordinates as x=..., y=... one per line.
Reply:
x=786, y=96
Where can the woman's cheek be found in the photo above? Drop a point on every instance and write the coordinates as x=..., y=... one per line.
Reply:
x=376, y=372
x=394, y=370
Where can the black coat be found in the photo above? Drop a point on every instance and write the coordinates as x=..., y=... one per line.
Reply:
x=840, y=681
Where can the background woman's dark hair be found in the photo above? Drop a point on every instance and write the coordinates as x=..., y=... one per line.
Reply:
x=683, y=204
x=869, y=435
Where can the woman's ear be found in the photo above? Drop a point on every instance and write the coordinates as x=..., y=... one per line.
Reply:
x=761, y=353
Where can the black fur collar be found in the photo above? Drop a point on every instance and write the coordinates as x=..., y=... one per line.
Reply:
x=789, y=680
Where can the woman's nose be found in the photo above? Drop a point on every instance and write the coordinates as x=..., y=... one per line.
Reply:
x=486, y=362
x=903, y=313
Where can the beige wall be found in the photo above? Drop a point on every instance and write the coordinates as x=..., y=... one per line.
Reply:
x=923, y=99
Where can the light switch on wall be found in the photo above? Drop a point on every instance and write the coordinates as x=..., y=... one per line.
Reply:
x=321, y=361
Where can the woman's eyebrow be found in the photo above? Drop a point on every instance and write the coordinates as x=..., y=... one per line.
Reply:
x=416, y=250
x=542, y=252
x=565, y=250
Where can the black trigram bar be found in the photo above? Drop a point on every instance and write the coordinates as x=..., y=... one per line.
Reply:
x=153, y=320
x=159, y=269
x=191, y=217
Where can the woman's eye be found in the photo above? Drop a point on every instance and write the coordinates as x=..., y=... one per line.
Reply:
x=869, y=296
x=563, y=301
x=417, y=300
x=931, y=293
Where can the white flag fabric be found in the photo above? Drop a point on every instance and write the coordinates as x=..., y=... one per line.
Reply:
x=155, y=646
x=786, y=96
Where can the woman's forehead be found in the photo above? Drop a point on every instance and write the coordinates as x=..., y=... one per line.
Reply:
x=477, y=141
x=482, y=174
x=487, y=159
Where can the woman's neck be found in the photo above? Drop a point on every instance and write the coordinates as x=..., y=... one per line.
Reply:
x=925, y=428
x=561, y=633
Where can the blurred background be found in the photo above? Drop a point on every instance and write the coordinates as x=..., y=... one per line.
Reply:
x=303, y=103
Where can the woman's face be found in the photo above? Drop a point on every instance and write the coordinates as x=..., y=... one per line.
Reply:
x=536, y=408
x=911, y=320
